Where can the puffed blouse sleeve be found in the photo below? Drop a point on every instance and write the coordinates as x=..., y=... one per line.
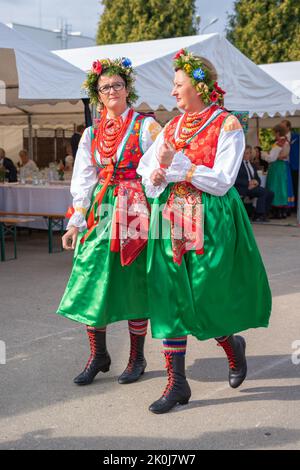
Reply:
x=272, y=155
x=150, y=131
x=83, y=181
x=148, y=164
x=217, y=180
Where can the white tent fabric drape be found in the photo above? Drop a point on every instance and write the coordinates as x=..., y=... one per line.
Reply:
x=248, y=87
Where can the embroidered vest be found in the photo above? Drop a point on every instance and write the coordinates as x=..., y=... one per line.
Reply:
x=202, y=148
x=120, y=175
x=125, y=167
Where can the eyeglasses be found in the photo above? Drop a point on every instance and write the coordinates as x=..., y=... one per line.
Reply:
x=105, y=90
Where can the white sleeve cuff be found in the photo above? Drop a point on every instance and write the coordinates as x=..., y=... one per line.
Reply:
x=77, y=220
x=177, y=171
x=153, y=191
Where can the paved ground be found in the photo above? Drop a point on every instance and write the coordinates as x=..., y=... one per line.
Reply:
x=42, y=409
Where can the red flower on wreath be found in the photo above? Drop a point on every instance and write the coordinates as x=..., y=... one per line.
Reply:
x=179, y=53
x=214, y=96
x=97, y=67
x=219, y=89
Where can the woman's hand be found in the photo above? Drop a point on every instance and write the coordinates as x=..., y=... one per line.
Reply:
x=157, y=177
x=69, y=239
x=166, y=155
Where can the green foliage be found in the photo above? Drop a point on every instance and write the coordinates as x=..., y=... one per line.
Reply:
x=266, y=30
x=266, y=139
x=140, y=20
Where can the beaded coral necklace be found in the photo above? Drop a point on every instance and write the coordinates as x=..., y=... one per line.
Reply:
x=111, y=133
x=190, y=124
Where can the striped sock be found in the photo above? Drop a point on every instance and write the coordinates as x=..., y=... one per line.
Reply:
x=93, y=328
x=138, y=327
x=175, y=345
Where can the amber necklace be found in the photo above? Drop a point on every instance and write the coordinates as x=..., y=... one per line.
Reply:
x=190, y=124
x=111, y=133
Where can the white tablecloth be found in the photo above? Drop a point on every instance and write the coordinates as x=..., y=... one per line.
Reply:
x=28, y=198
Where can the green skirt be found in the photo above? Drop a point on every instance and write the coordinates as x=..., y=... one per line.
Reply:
x=277, y=181
x=100, y=291
x=221, y=292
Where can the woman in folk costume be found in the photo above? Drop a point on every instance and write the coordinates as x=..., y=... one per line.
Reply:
x=279, y=179
x=205, y=274
x=108, y=279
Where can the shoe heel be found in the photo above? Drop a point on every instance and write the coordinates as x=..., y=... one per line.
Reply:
x=184, y=401
x=105, y=368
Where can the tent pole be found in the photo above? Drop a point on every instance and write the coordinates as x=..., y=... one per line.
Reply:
x=87, y=112
x=30, y=140
x=298, y=202
x=257, y=131
x=55, y=145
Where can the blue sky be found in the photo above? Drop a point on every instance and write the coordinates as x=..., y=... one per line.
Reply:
x=84, y=15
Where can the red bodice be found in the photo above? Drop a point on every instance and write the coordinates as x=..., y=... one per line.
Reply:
x=125, y=167
x=202, y=148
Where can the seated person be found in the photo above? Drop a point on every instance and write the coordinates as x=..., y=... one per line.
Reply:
x=259, y=163
x=248, y=184
x=69, y=159
x=11, y=171
x=26, y=162
x=68, y=163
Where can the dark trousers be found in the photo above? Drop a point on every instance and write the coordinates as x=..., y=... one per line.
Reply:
x=295, y=178
x=264, y=199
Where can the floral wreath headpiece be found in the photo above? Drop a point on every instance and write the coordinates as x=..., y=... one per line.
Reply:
x=208, y=88
x=121, y=66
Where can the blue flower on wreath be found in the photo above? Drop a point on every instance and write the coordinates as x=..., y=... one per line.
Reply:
x=199, y=74
x=126, y=62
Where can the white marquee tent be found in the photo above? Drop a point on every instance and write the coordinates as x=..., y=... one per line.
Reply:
x=288, y=74
x=248, y=87
x=39, y=86
x=36, y=88
x=34, y=82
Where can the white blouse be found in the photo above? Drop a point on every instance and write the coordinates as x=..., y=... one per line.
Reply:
x=275, y=152
x=217, y=180
x=84, y=178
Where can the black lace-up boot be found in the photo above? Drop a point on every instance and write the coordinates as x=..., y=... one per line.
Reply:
x=137, y=362
x=99, y=359
x=235, y=347
x=177, y=389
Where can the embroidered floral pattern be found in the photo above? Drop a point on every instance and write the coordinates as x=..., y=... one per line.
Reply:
x=154, y=129
x=232, y=124
x=184, y=211
x=202, y=148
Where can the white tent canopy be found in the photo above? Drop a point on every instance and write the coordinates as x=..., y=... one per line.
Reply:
x=248, y=87
x=35, y=82
x=34, y=72
x=59, y=114
x=286, y=73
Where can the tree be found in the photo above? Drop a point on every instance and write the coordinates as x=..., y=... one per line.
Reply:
x=266, y=30
x=138, y=20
